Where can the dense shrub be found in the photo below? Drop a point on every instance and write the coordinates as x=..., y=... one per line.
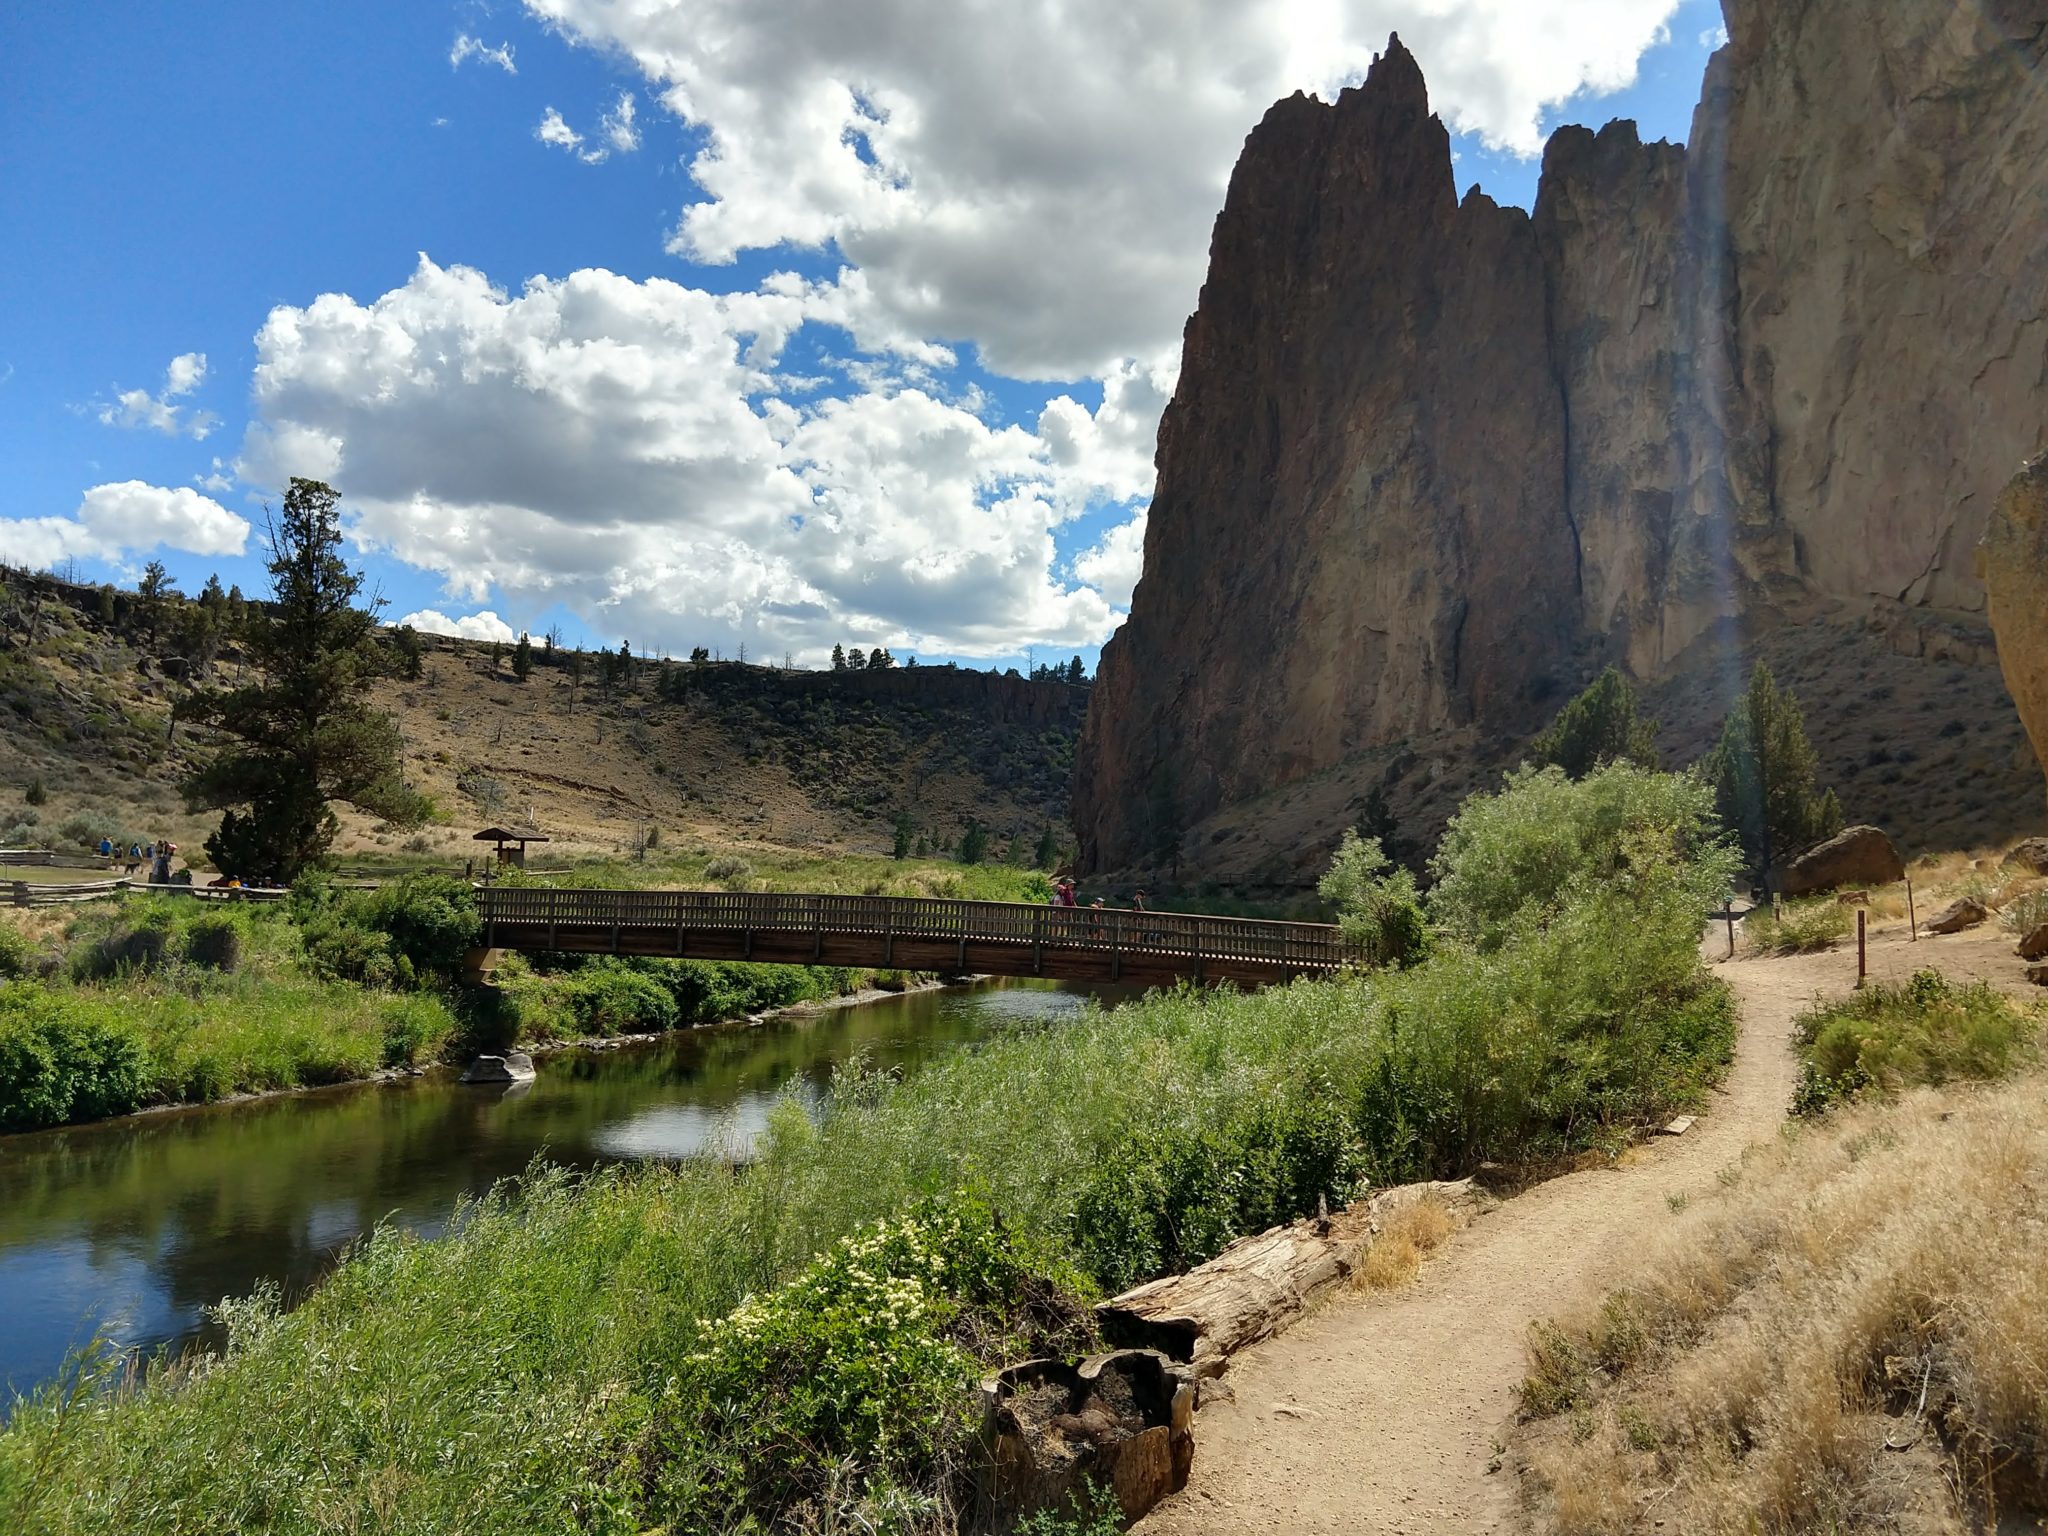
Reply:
x=431, y=921
x=728, y=869
x=415, y=1028
x=340, y=950
x=1798, y=927
x=1377, y=905
x=1884, y=1038
x=1519, y=856
x=214, y=942
x=65, y=1059
x=847, y=1391
x=140, y=946
x=17, y=954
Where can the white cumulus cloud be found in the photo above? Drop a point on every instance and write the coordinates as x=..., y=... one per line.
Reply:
x=474, y=626
x=157, y=413
x=466, y=47
x=123, y=516
x=622, y=447
x=1040, y=178
x=1114, y=565
x=618, y=132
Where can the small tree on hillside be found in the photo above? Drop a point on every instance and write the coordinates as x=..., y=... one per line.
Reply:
x=906, y=832
x=152, y=594
x=973, y=844
x=303, y=734
x=522, y=657
x=1076, y=674
x=1047, y=854
x=409, y=656
x=1763, y=774
x=838, y=658
x=1599, y=726
x=856, y=660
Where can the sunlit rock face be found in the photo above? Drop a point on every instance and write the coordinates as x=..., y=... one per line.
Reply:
x=2015, y=565
x=1431, y=462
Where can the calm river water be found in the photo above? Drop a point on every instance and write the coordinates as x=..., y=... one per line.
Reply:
x=135, y=1227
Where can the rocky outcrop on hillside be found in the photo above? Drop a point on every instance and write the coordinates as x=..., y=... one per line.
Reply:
x=1432, y=461
x=2015, y=566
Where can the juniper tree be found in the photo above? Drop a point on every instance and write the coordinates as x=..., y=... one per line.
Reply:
x=1763, y=774
x=522, y=657
x=1599, y=726
x=303, y=733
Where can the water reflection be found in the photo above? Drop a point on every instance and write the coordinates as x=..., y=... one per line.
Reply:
x=136, y=1227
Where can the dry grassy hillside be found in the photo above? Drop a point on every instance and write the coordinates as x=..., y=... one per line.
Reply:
x=724, y=755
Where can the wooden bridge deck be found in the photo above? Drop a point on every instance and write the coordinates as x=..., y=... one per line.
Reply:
x=992, y=938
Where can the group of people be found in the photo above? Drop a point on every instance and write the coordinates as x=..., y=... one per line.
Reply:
x=157, y=856
x=1064, y=894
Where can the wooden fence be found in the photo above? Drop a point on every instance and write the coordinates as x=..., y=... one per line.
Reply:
x=911, y=933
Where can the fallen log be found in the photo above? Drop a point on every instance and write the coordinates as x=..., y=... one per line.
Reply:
x=1258, y=1286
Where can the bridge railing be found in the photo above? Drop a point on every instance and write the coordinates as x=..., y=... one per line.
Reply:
x=529, y=909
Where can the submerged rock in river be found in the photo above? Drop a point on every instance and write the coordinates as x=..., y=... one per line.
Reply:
x=512, y=1067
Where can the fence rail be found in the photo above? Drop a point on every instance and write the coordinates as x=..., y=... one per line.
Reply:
x=912, y=932
x=50, y=893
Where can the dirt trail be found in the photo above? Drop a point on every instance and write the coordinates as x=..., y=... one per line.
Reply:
x=1383, y=1414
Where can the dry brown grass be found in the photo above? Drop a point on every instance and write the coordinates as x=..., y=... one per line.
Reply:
x=1410, y=1233
x=1766, y=1371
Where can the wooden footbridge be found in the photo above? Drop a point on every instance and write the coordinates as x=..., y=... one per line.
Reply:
x=990, y=938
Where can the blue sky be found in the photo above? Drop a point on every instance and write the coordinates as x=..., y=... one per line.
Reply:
x=972, y=225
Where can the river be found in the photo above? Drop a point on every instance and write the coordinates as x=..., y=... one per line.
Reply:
x=135, y=1227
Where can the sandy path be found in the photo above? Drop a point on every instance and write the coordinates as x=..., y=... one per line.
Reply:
x=1382, y=1414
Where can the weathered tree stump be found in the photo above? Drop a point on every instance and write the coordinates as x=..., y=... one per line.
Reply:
x=1121, y=1421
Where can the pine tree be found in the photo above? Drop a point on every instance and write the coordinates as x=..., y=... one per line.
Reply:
x=408, y=654
x=1763, y=773
x=1047, y=853
x=522, y=657
x=151, y=594
x=303, y=734
x=906, y=830
x=973, y=843
x=856, y=660
x=1075, y=674
x=838, y=659
x=1599, y=726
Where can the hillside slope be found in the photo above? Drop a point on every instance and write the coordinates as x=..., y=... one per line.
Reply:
x=730, y=756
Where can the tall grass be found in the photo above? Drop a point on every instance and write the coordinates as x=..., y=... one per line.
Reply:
x=1852, y=1336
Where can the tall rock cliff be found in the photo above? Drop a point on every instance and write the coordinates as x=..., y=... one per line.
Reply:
x=1430, y=461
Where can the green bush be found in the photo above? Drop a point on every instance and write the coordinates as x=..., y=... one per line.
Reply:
x=848, y=1390
x=137, y=947
x=1378, y=908
x=1798, y=928
x=338, y=949
x=214, y=942
x=17, y=955
x=1519, y=856
x=1884, y=1038
x=608, y=998
x=415, y=1028
x=431, y=921
x=65, y=1059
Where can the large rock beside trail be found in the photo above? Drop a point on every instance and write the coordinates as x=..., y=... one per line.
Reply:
x=1967, y=912
x=1853, y=856
x=2035, y=945
x=2030, y=854
x=2014, y=559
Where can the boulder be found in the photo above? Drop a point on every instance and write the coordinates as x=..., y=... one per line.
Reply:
x=1123, y=1420
x=2014, y=562
x=511, y=1067
x=2035, y=945
x=1966, y=912
x=1854, y=856
x=2031, y=855
x=2038, y=975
